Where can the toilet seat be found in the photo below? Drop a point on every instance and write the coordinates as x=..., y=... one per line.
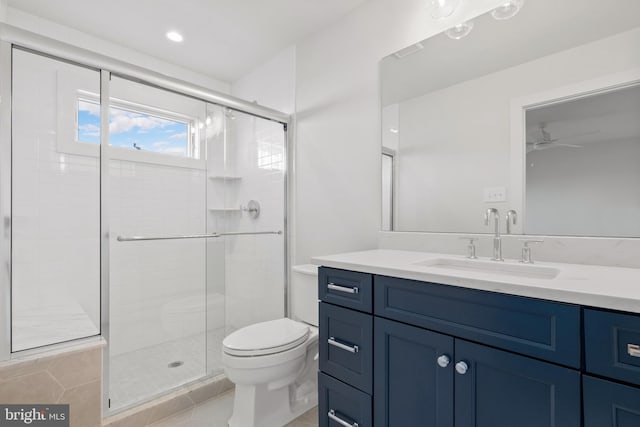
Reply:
x=266, y=338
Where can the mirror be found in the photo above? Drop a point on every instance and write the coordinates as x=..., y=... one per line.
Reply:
x=537, y=113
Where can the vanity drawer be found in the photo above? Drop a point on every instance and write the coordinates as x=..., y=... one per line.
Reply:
x=346, y=288
x=340, y=404
x=612, y=345
x=536, y=328
x=346, y=345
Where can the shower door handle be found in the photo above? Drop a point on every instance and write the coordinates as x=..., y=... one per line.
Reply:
x=194, y=236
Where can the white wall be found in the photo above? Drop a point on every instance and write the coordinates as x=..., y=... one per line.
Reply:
x=3, y=10
x=582, y=191
x=272, y=84
x=77, y=38
x=338, y=121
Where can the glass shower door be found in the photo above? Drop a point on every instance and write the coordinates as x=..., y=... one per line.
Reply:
x=158, y=286
x=255, y=196
x=56, y=203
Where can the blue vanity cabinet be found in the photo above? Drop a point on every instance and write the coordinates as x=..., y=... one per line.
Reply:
x=413, y=376
x=341, y=405
x=542, y=329
x=612, y=345
x=608, y=404
x=420, y=376
x=398, y=352
x=345, y=380
x=346, y=349
x=503, y=389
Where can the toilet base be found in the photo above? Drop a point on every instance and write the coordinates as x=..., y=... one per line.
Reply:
x=256, y=406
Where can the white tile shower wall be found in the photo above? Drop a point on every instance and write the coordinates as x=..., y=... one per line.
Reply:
x=255, y=264
x=157, y=287
x=55, y=212
x=338, y=118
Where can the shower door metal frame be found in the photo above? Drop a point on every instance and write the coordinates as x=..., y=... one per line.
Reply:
x=105, y=265
x=5, y=200
x=11, y=37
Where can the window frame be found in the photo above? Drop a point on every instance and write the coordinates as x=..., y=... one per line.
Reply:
x=68, y=139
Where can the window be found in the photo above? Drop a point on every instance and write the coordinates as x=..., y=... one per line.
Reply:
x=270, y=155
x=137, y=129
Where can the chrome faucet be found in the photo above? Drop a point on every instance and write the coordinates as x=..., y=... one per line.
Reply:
x=497, y=241
x=512, y=217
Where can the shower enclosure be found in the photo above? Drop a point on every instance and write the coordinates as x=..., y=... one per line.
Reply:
x=138, y=208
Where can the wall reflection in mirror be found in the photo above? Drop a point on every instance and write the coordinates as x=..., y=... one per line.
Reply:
x=537, y=113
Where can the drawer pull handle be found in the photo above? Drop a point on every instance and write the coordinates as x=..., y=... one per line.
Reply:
x=345, y=289
x=334, y=417
x=351, y=349
x=633, y=350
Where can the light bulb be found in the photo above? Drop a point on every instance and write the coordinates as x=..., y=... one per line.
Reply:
x=175, y=36
x=460, y=30
x=441, y=9
x=507, y=10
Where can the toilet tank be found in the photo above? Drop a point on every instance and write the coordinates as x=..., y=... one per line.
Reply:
x=304, y=293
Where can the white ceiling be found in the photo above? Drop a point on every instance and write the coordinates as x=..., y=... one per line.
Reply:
x=224, y=39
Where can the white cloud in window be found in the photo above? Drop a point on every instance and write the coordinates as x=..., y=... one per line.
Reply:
x=160, y=144
x=89, y=107
x=89, y=130
x=124, y=121
x=179, y=136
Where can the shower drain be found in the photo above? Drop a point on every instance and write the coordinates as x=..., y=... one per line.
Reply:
x=175, y=364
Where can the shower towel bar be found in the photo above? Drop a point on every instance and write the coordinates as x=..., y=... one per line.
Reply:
x=193, y=236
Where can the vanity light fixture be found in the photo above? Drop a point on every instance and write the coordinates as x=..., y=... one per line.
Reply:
x=507, y=10
x=441, y=9
x=460, y=31
x=175, y=36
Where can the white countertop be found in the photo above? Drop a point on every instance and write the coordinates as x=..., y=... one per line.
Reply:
x=597, y=286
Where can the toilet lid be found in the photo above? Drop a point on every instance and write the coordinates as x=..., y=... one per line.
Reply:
x=265, y=338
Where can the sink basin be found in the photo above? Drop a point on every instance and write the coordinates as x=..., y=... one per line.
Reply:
x=492, y=267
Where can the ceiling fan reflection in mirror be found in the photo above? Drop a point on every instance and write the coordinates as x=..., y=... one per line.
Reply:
x=547, y=141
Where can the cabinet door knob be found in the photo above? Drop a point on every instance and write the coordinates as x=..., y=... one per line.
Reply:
x=462, y=368
x=443, y=361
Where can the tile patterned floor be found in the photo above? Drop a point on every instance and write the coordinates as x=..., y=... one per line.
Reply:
x=139, y=375
x=217, y=411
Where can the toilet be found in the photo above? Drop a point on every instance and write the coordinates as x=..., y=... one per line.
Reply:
x=274, y=364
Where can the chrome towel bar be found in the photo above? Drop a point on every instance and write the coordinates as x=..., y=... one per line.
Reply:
x=193, y=236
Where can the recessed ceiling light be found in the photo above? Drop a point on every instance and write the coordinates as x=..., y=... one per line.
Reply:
x=175, y=36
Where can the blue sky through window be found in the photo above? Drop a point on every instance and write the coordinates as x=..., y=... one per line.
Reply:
x=133, y=130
